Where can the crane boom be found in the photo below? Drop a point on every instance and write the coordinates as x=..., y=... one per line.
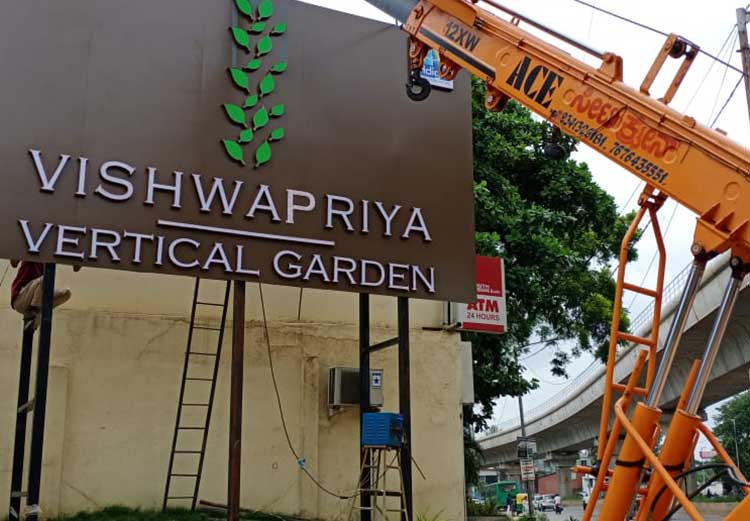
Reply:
x=677, y=157
x=696, y=166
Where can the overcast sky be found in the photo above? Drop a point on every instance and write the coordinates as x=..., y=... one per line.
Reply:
x=704, y=91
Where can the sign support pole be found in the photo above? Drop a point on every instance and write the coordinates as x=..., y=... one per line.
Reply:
x=365, y=501
x=530, y=483
x=235, y=401
x=40, y=395
x=404, y=400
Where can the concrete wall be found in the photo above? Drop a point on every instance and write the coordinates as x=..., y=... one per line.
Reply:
x=117, y=357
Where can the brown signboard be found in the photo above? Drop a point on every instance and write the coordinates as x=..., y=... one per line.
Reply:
x=263, y=140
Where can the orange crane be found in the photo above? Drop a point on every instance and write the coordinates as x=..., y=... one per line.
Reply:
x=677, y=157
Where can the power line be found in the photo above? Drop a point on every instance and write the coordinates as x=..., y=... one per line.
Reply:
x=721, y=85
x=710, y=68
x=300, y=460
x=731, y=95
x=656, y=31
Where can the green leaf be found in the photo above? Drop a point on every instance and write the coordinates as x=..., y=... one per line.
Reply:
x=260, y=119
x=246, y=136
x=234, y=150
x=239, y=78
x=265, y=9
x=278, y=68
x=264, y=46
x=241, y=38
x=277, y=134
x=277, y=111
x=263, y=154
x=244, y=7
x=267, y=84
x=254, y=65
x=258, y=27
x=235, y=113
x=251, y=101
x=278, y=29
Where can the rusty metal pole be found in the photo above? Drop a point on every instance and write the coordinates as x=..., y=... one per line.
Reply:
x=235, y=401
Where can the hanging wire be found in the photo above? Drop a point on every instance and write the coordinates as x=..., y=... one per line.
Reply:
x=710, y=68
x=721, y=85
x=300, y=460
x=726, y=103
x=656, y=31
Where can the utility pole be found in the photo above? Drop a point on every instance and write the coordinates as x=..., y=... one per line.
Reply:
x=736, y=446
x=529, y=484
x=742, y=19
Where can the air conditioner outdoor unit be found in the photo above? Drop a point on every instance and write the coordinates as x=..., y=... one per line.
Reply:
x=343, y=387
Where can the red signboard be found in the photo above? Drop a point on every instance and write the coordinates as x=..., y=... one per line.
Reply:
x=488, y=314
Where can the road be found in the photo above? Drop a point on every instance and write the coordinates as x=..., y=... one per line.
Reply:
x=577, y=513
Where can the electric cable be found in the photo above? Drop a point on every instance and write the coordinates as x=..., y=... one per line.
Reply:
x=710, y=68
x=656, y=31
x=721, y=85
x=300, y=460
x=731, y=95
x=726, y=469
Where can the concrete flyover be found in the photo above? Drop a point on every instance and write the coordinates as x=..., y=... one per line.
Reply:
x=569, y=421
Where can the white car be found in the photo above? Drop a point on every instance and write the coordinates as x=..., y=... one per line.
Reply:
x=547, y=503
x=538, y=501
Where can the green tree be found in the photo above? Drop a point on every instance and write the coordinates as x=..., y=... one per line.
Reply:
x=557, y=230
x=736, y=412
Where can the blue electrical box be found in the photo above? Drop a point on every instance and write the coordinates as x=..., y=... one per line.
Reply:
x=382, y=429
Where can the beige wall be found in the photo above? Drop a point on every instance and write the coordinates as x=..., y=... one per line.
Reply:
x=117, y=357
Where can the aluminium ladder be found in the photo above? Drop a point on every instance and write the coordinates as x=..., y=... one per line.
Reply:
x=373, y=482
x=194, y=383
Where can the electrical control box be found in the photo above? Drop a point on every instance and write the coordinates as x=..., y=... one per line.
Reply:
x=382, y=429
x=343, y=387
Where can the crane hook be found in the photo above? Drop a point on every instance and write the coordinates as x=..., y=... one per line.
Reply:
x=417, y=88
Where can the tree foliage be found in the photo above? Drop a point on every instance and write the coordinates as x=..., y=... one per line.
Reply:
x=557, y=231
x=737, y=409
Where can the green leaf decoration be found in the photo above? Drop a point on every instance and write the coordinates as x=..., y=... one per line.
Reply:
x=258, y=27
x=278, y=29
x=265, y=9
x=235, y=113
x=264, y=46
x=277, y=135
x=278, y=68
x=244, y=7
x=277, y=111
x=241, y=37
x=246, y=136
x=251, y=101
x=263, y=154
x=253, y=65
x=239, y=78
x=260, y=119
x=267, y=84
x=234, y=150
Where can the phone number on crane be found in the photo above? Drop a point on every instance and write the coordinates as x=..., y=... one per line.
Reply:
x=620, y=152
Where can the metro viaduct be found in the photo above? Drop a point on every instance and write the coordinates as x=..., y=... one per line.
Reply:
x=569, y=422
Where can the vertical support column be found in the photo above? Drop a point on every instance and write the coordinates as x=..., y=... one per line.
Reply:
x=744, y=50
x=529, y=484
x=40, y=394
x=365, y=499
x=19, y=445
x=404, y=399
x=235, y=401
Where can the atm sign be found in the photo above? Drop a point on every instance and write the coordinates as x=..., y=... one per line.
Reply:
x=488, y=314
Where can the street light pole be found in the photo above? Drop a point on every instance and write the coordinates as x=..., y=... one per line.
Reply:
x=529, y=484
x=736, y=445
